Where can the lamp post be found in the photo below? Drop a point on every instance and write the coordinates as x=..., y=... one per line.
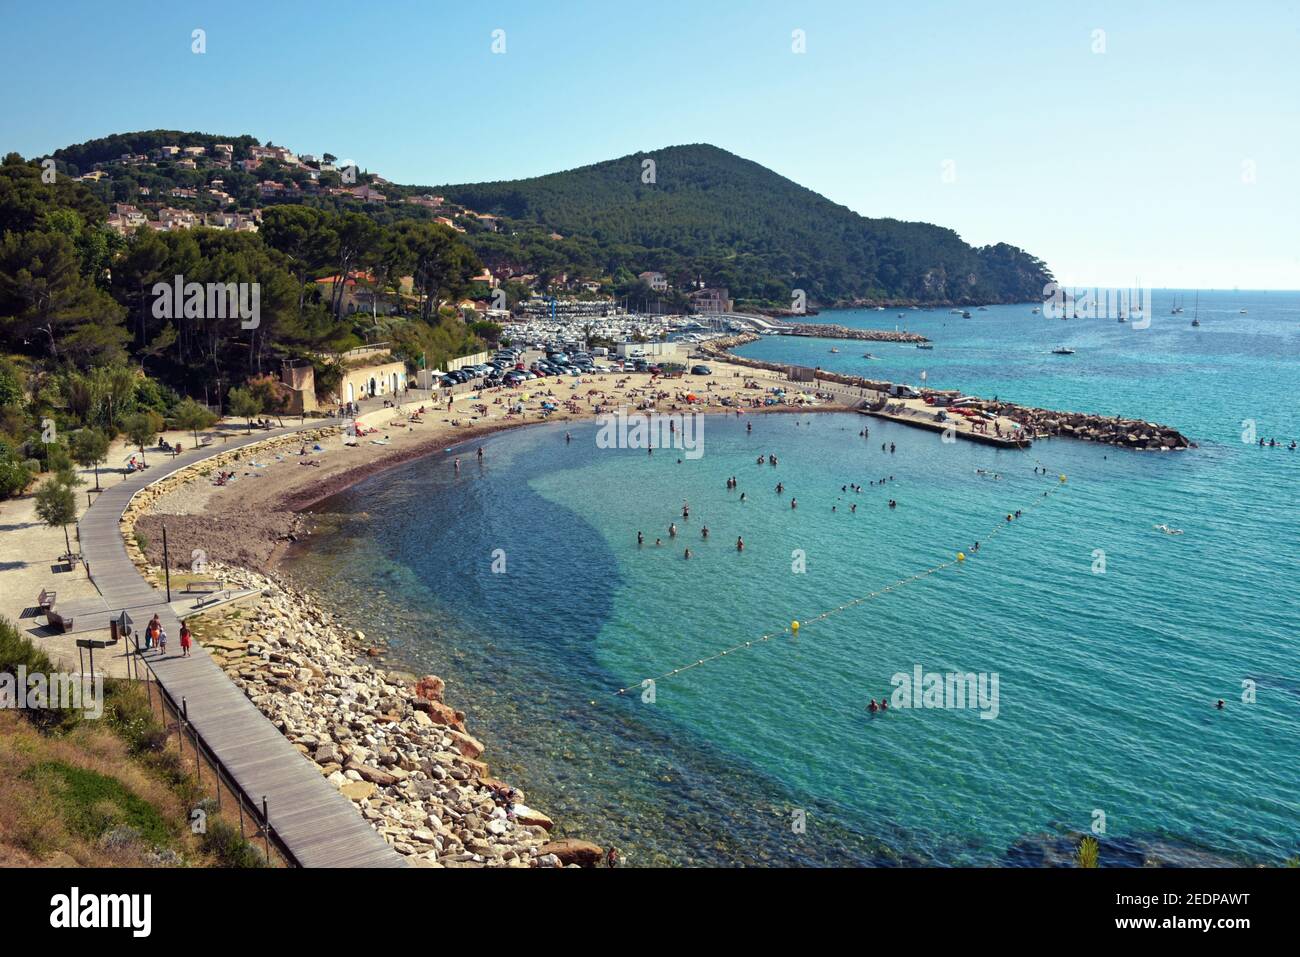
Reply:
x=167, y=566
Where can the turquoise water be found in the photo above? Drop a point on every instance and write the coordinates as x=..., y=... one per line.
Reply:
x=1106, y=682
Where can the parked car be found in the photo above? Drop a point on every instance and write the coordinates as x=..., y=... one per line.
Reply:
x=701, y=370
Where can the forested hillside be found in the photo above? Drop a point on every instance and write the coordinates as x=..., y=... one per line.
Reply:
x=716, y=216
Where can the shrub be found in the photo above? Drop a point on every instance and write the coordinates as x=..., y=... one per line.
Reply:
x=17, y=651
x=1087, y=853
x=224, y=843
x=16, y=473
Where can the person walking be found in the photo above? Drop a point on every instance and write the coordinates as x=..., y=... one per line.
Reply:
x=185, y=641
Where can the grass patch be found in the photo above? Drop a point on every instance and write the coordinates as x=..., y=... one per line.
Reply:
x=92, y=804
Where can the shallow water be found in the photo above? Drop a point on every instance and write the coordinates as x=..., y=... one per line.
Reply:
x=1106, y=682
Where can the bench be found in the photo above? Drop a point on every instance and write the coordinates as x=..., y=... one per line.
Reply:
x=57, y=621
x=46, y=599
x=208, y=586
x=213, y=591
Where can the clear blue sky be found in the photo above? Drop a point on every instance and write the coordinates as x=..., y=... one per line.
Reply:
x=1110, y=166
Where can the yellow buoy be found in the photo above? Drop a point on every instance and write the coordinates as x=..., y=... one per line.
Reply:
x=1062, y=477
x=961, y=556
x=794, y=627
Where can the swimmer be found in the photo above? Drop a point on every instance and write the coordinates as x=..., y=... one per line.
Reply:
x=672, y=529
x=854, y=508
x=740, y=544
x=873, y=707
x=1167, y=530
x=794, y=503
x=688, y=553
x=640, y=539
x=704, y=532
x=883, y=704
x=1220, y=704
x=480, y=453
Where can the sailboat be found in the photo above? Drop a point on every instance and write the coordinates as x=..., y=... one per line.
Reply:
x=1196, y=309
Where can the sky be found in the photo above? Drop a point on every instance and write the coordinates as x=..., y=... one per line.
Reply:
x=1140, y=142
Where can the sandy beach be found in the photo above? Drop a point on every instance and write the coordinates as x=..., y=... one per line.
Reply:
x=249, y=521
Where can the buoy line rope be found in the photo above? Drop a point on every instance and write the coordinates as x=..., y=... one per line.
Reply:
x=793, y=627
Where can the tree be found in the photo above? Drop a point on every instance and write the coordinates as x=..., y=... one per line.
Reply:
x=89, y=447
x=141, y=428
x=356, y=234
x=245, y=404
x=56, y=505
x=44, y=295
x=191, y=416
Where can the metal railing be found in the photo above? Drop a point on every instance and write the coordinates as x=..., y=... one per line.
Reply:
x=139, y=668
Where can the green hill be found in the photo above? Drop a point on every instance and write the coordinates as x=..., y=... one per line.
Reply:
x=709, y=216
x=714, y=215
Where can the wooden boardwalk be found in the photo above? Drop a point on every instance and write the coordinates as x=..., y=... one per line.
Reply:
x=317, y=825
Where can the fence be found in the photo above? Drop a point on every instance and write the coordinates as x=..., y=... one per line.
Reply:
x=462, y=361
x=139, y=668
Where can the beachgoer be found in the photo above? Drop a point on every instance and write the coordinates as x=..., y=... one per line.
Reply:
x=704, y=532
x=185, y=641
x=740, y=544
x=873, y=707
x=688, y=553
x=672, y=529
x=640, y=539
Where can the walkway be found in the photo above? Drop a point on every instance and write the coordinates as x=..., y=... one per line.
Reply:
x=317, y=825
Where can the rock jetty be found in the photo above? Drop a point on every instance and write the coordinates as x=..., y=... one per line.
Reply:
x=1040, y=423
x=826, y=331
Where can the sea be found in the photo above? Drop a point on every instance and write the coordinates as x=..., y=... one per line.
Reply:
x=1060, y=680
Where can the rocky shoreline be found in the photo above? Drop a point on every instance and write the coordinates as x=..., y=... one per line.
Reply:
x=386, y=739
